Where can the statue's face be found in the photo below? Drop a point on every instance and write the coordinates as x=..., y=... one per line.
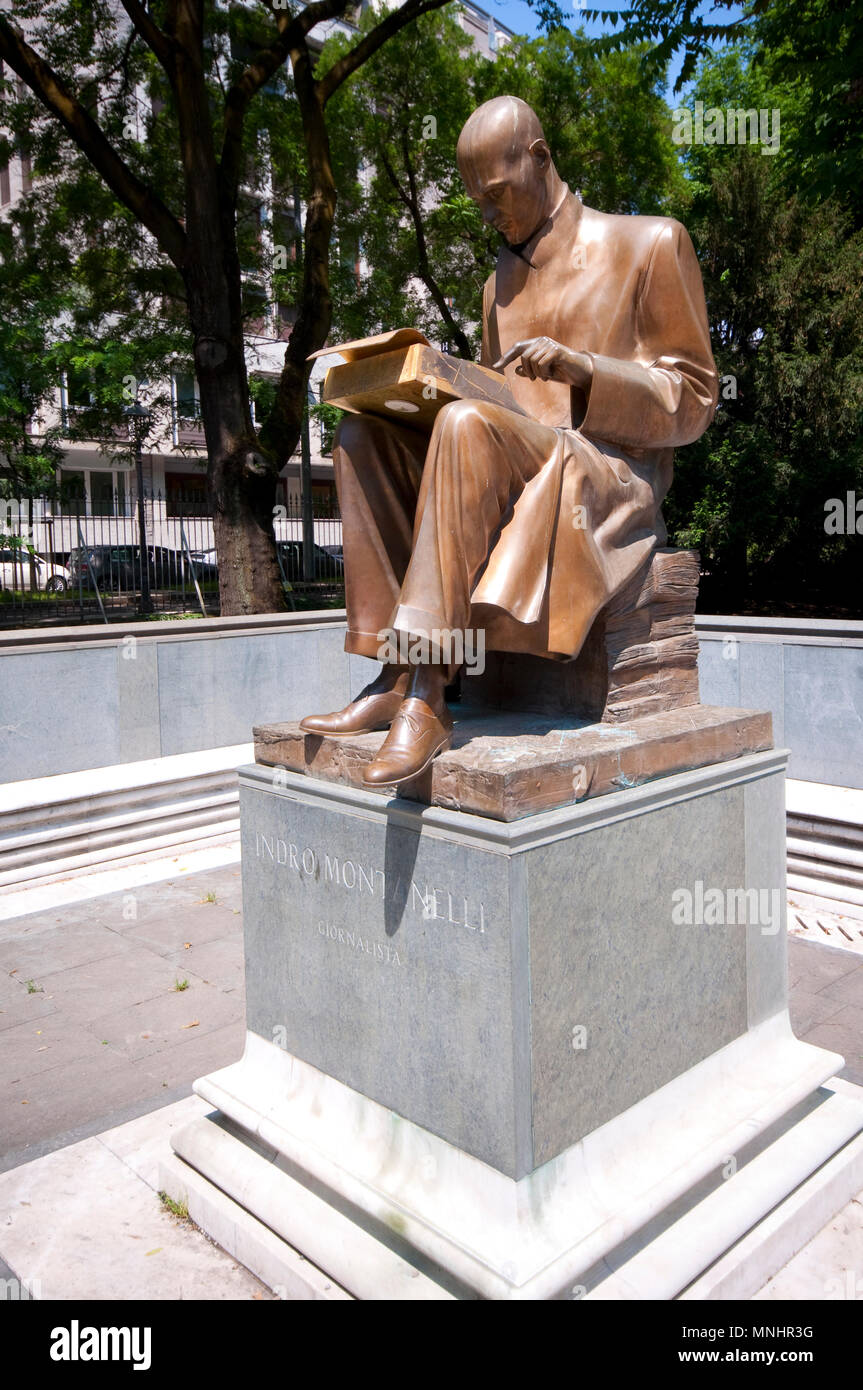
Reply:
x=511, y=190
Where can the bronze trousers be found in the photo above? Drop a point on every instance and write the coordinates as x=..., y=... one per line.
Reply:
x=420, y=516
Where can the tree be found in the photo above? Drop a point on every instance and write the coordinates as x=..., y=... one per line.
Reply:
x=26, y=371
x=423, y=242
x=811, y=49
x=782, y=277
x=204, y=67
x=667, y=27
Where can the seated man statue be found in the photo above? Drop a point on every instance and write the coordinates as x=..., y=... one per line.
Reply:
x=523, y=526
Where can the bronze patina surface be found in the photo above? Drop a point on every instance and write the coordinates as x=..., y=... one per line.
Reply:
x=507, y=766
x=525, y=526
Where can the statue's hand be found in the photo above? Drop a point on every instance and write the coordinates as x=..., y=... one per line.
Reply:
x=547, y=360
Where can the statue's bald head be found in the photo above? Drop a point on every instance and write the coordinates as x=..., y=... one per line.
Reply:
x=507, y=168
x=506, y=124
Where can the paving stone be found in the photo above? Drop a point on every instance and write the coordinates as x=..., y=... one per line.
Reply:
x=183, y=1064
x=142, y=1143
x=90, y=912
x=807, y=1010
x=43, y=950
x=845, y=1037
x=848, y=989
x=41, y=1044
x=127, y=1248
x=25, y=1009
x=220, y=963
x=145, y=1029
x=72, y=1094
x=829, y=1267
x=102, y=987
x=812, y=965
x=198, y=924
x=193, y=888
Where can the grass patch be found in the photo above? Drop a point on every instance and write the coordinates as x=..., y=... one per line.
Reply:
x=178, y=1209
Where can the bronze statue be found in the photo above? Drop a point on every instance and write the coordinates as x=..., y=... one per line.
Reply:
x=523, y=525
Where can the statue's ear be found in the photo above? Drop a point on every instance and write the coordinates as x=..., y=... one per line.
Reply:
x=541, y=154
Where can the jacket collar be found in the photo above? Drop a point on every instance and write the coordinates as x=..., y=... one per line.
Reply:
x=558, y=230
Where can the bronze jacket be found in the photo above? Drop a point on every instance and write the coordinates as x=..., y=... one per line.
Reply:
x=628, y=291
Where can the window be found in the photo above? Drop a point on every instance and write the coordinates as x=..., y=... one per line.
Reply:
x=76, y=396
x=101, y=493
x=186, y=494
x=186, y=403
x=72, y=490
x=324, y=499
x=256, y=309
x=187, y=410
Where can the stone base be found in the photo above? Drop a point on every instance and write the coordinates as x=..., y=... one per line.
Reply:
x=703, y=1190
x=507, y=766
x=517, y=1061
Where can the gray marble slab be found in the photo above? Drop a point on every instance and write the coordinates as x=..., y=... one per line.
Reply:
x=510, y=987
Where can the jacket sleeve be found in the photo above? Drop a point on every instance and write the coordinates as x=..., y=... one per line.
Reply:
x=666, y=394
x=490, y=351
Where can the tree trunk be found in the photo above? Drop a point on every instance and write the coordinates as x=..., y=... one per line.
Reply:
x=241, y=477
x=241, y=482
x=281, y=432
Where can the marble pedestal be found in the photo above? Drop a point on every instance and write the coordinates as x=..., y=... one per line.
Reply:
x=539, y=1059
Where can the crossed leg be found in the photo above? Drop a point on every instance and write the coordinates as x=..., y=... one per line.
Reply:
x=419, y=521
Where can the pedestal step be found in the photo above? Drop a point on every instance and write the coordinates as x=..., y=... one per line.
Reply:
x=57, y=827
x=653, y=1206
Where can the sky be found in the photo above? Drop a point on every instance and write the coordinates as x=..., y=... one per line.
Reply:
x=518, y=16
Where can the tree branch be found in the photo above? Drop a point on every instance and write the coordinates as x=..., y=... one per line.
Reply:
x=390, y=172
x=152, y=35
x=395, y=21
x=76, y=120
x=424, y=264
x=265, y=63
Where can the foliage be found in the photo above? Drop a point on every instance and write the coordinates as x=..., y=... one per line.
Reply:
x=426, y=250
x=783, y=276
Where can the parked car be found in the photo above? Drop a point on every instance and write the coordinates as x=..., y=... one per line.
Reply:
x=206, y=565
x=326, y=566
x=119, y=567
x=169, y=569
x=16, y=572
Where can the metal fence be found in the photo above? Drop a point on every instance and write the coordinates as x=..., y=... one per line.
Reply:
x=64, y=562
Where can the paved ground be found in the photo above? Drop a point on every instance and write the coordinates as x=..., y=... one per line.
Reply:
x=94, y=1029
x=826, y=997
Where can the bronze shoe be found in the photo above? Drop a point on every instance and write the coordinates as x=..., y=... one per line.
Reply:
x=417, y=735
x=362, y=716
